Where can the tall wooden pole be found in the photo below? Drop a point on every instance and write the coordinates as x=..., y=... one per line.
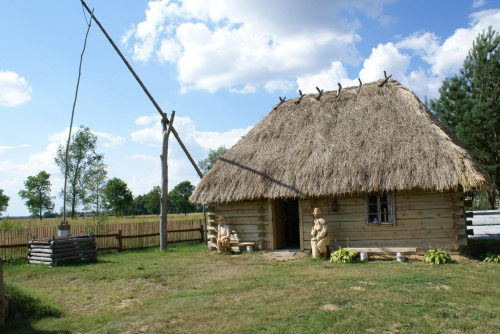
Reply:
x=164, y=181
x=200, y=174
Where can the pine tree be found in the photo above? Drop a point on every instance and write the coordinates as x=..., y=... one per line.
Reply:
x=469, y=105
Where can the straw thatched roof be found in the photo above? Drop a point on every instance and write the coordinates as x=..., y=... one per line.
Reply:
x=366, y=139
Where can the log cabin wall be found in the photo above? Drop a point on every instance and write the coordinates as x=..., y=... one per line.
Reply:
x=249, y=219
x=423, y=220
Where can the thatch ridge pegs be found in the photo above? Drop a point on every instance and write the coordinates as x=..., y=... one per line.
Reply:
x=300, y=98
x=340, y=88
x=360, y=83
x=320, y=91
x=281, y=102
x=385, y=80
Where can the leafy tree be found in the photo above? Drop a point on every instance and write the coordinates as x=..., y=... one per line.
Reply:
x=469, y=105
x=82, y=161
x=37, y=194
x=213, y=155
x=4, y=202
x=96, y=180
x=178, y=198
x=138, y=207
x=117, y=196
x=153, y=201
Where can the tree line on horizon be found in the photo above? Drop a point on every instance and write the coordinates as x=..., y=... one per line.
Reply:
x=89, y=187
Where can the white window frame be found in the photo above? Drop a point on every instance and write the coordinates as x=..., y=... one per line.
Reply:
x=370, y=216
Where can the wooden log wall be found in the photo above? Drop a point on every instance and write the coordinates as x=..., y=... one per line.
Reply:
x=50, y=251
x=249, y=219
x=423, y=220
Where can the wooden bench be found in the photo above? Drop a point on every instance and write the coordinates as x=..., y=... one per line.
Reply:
x=383, y=250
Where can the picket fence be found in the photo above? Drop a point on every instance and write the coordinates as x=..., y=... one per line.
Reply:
x=109, y=237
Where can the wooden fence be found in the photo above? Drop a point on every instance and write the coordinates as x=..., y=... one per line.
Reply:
x=109, y=237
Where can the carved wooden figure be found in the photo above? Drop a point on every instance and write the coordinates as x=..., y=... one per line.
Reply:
x=223, y=235
x=320, y=239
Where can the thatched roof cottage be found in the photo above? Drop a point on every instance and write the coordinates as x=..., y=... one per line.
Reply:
x=381, y=167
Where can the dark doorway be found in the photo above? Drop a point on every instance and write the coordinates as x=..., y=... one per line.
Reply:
x=286, y=226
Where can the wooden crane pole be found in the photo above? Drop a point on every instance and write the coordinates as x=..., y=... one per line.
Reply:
x=167, y=127
x=163, y=115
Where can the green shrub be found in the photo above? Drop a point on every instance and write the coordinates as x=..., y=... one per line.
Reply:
x=437, y=256
x=492, y=257
x=342, y=255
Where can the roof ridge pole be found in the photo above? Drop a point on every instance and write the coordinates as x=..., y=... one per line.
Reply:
x=300, y=98
x=385, y=81
x=282, y=100
x=320, y=91
x=200, y=174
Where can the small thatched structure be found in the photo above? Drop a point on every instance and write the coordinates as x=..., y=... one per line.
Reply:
x=342, y=146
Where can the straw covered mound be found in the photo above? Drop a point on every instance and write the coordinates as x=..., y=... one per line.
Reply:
x=366, y=139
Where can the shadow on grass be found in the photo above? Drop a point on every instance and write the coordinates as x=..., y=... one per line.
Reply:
x=24, y=308
x=477, y=249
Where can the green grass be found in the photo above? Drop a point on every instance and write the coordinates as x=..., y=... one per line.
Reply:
x=190, y=290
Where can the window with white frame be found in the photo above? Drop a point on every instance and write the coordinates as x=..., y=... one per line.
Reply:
x=380, y=209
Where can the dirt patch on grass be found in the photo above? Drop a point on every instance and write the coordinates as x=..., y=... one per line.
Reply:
x=329, y=307
x=443, y=287
x=358, y=288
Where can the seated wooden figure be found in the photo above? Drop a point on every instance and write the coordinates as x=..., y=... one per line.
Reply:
x=320, y=239
x=223, y=235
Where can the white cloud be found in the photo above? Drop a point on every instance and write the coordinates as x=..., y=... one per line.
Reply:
x=143, y=157
x=232, y=44
x=108, y=140
x=4, y=149
x=14, y=90
x=478, y=3
x=449, y=57
x=385, y=57
x=146, y=120
x=280, y=85
x=326, y=80
x=153, y=135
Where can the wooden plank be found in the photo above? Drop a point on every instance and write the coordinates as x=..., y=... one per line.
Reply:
x=243, y=213
x=383, y=249
x=239, y=205
x=410, y=224
x=426, y=213
x=244, y=221
x=426, y=205
x=251, y=228
x=390, y=235
x=341, y=217
x=426, y=197
x=421, y=244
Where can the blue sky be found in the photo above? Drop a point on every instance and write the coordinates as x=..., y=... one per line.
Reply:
x=221, y=65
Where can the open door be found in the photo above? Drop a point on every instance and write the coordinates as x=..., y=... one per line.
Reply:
x=286, y=230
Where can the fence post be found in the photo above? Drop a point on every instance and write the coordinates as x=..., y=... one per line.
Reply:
x=2, y=296
x=202, y=234
x=120, y=240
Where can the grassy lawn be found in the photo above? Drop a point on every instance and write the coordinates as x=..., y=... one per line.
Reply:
x=191, y=290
